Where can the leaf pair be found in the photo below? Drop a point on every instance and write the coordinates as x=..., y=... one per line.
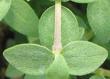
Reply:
x=76, y=58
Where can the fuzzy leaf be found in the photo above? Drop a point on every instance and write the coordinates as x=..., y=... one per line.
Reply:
x=58, y=69
x=29, y=58
x=70, y=29
x=99, y=20
x=22, y=18
x=83, y=57
x=4, y=7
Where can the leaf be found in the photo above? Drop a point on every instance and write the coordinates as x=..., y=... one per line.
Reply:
x=4, y=7
x=39, y=6
x=61, y=0
x=83, y=1
x=22, y=18
x=88, y=33
x=99, y=20
x=13, y=72
x=29, y=58
x=73, y=77
x=58, y=69
x=78, y=1
x=42, y=2
x=83, y=22
x=83, y=57
x=70, y=29
x=97, y=77
x=107, y=46
x=34, y=77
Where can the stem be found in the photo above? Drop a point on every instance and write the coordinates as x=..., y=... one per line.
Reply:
x=57, y=45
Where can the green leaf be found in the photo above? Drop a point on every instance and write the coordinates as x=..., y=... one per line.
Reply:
x=78, y=1
x=73, y=77
x=83, y=1
x=22, y=18
x=4, y=7
x=70, y=28
x=34, y=77
x=88, y=33
x=29, y=58
x=107, y=46
x=97, y=77
x=42, y=2
x=83, y=57
x=99, y=19
x=13, y=72
x=58, y=69
x=39, y=6
x=61, y=0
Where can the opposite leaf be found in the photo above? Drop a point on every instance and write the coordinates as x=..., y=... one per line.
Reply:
x=70, y=28
x=22, y=18
x=99, y=19
x=83, y=57
x=29, y=58
x=4, y=7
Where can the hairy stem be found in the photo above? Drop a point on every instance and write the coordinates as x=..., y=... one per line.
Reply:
x=57, y=46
